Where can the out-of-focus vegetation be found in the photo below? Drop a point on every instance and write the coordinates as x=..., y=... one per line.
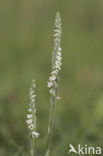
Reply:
x=26, y=43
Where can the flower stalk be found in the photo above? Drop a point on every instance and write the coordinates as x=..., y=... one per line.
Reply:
x=53, y=83
x=31, y=117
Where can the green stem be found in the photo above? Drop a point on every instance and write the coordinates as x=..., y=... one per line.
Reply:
x=51, y=121
x=32, y=147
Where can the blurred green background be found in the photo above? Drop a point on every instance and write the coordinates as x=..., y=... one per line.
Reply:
x=26, y=43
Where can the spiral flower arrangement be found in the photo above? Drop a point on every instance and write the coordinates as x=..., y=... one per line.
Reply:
x=53, y=83
x=53, y=86
x=31, y=117
x=56, y=55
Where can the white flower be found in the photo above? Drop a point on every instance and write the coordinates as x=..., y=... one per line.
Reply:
x=59, y=58
x=31, y=118
x=50, y=84
x=56, y=56
x=33, y=96
x=58, y=98
x=31, y=127
x=29, y=121
x=32, y=100
x=56, y=35
x=29, y=110
x=58, y=67
x=54, y=72
x=56, y=30
x=52, y=78
x=56, y=40
x=31, y=93
x=58, y=63
x=59, y=53
x=35, y=134
x=60, y=49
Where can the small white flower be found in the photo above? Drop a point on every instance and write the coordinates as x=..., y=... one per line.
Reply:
x=60, y=49
x=31, y=92
x=33, y=96
x=59, y=58
x=29, y=116
x=29, y=110
x=50, y=84
x=56, y=30
x=56, y=40
x=58, y=67
x=58, y=63
x=32, y=100
x=56, y=35
x=31, y=127
x=58, y=98
x=29, y=121
x=54, y=72
x=52, y=78
x=59, y=53
x=35, y=134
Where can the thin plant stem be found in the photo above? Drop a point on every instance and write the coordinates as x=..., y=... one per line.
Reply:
x=51, y=120
x=53, y=83
x=32, y=147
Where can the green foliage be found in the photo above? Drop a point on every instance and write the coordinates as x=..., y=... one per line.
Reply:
x=25, y=53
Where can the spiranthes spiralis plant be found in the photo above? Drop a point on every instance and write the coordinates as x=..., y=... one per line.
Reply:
x=53, y=83
x=31, y=117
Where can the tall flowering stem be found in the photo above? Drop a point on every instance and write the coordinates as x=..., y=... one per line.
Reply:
x=31, y=116
x=53, y=83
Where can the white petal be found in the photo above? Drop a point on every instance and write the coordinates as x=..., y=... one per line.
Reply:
x=29, y=116
x=31, y=92
x=54, y=72
x=59, y=53
x=52, y=78
x=60, y=49
x=56, y=35
x=58, y=98
x=29, y=110
x=56, y=30
x=29, y=121
x=58, y=67
x=31, y=127
x=59, y=58
x=50, y=84
x=58, y=63
x=35, y=134
x=32, y=100
x=56, y=40
x=33, y=96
